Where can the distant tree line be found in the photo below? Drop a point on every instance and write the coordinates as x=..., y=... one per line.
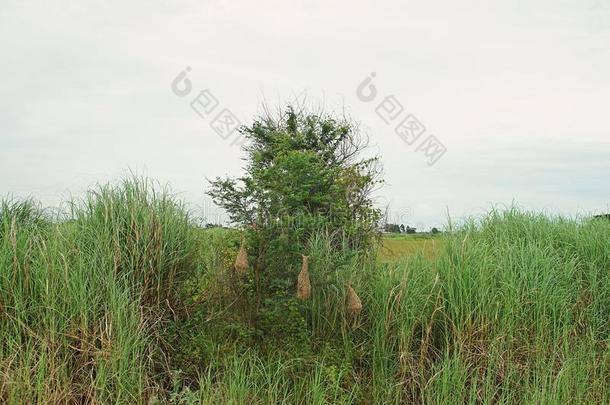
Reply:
x=396, y=228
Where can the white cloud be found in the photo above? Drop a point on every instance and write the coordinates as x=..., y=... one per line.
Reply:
x=517, y=91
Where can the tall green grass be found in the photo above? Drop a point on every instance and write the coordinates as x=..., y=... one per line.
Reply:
x=79, y=301
x=126, y=302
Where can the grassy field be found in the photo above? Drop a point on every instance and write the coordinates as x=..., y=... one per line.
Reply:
x=394, y=247
x=123, y=300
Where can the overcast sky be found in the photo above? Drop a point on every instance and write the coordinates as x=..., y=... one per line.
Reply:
x=517, y=92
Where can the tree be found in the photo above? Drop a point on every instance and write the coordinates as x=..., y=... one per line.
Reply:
x=304, y=173
x=392, y=228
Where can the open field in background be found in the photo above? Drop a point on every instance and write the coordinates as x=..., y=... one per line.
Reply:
x=394, y=247
x=129, y=303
